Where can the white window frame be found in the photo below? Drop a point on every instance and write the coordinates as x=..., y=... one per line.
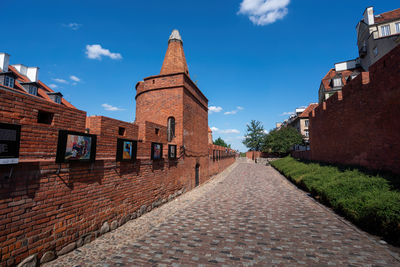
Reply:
x=306, y=133
x=398, y=27
x=337, y=82
x=385, y=30
x=306, y=122
x=32, y=90
x=9, y=81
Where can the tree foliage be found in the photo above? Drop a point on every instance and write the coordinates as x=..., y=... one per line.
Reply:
x=220, y=142
x=282, y=141
x=254, y=136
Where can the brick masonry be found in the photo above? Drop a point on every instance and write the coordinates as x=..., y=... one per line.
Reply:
x=48, y=208
x=361, y=125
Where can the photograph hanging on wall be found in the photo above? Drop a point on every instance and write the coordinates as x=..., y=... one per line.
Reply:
x=75, y=146
x=126, y=150
x=10, y=136
x=156, y=151
x=172, y=151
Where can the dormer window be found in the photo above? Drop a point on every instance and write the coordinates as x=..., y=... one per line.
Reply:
x=56, y=97
x=385, y=30
x=32, y=90
x=337, y=82
x=9, y=81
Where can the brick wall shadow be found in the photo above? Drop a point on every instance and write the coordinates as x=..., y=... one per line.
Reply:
x=87, y=173
x=19, y=180
x=158, y=164
x=129, y=167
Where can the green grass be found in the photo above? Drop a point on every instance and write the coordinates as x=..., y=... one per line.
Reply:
x=370, y=201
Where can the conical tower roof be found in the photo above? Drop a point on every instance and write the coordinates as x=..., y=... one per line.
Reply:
x=174, y=61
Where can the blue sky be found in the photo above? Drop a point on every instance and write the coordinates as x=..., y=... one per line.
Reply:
x=253, y=59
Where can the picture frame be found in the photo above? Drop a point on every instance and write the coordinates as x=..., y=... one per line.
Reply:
x=126, y=150
x=76, y=147
x=10, y=138
x=172, y=152
x=156, y=151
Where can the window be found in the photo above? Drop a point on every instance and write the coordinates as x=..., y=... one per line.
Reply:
x=9, y=81
x=398, y=27
x=385, y=30
x=337, y=82
x=306, y=133
x=32, y=90
x=121, y=131
x=45, y=117
x=376, y=51
x=57, y=99
x=171, y=128
x=157, y=131
x=306, y=123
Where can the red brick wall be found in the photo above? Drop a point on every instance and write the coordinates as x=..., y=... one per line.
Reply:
x=46, y=206
x=38, y=140
x=361, y=126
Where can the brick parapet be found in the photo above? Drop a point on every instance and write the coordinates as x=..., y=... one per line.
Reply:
x=360, y=126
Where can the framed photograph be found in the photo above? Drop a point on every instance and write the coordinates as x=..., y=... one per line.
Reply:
x=76, y=146
x=156, y=151
x=172, y=151
x=126, y=150
x=10, y=137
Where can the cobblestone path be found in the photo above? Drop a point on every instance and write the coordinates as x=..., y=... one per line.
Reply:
x=250, y=216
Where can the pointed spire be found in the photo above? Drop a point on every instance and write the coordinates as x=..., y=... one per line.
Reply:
x=175, y=36
x=174, y=61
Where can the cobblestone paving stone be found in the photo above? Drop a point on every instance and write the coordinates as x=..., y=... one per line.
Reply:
x=251, y=216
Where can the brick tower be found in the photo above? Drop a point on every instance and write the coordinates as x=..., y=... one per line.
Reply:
x=173, y=94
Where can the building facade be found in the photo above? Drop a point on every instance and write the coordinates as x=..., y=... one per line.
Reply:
x=377, y=35
x=338, y=77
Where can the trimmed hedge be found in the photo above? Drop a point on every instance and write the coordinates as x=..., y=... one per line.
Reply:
x=369, y=201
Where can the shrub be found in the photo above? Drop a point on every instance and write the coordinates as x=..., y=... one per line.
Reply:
x=370, y=201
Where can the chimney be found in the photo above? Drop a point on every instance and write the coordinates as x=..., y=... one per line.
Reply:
x=32, y=73
x=369, y=16
x=21, y=68
x=4, y=61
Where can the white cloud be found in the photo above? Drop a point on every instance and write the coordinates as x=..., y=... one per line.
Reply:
x=74, y=78
x=227, y=131
x=214, y=109
x=287, y=113
x=73, y=26
x=96, y=52
x=264, y=12
x=110, y=108
x=233, y=112
x=53, y=86
x=58, y=80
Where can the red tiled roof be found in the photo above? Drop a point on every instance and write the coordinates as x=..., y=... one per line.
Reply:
x=388, y=16
x=326, y=81
x=307, y=111
x=43, y=89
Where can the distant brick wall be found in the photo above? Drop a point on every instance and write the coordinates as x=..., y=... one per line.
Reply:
x=256, y=154
x=361, y=126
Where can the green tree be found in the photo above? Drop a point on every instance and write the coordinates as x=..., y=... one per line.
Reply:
x=254, y=136
x=220, y=142
x=282, y=141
